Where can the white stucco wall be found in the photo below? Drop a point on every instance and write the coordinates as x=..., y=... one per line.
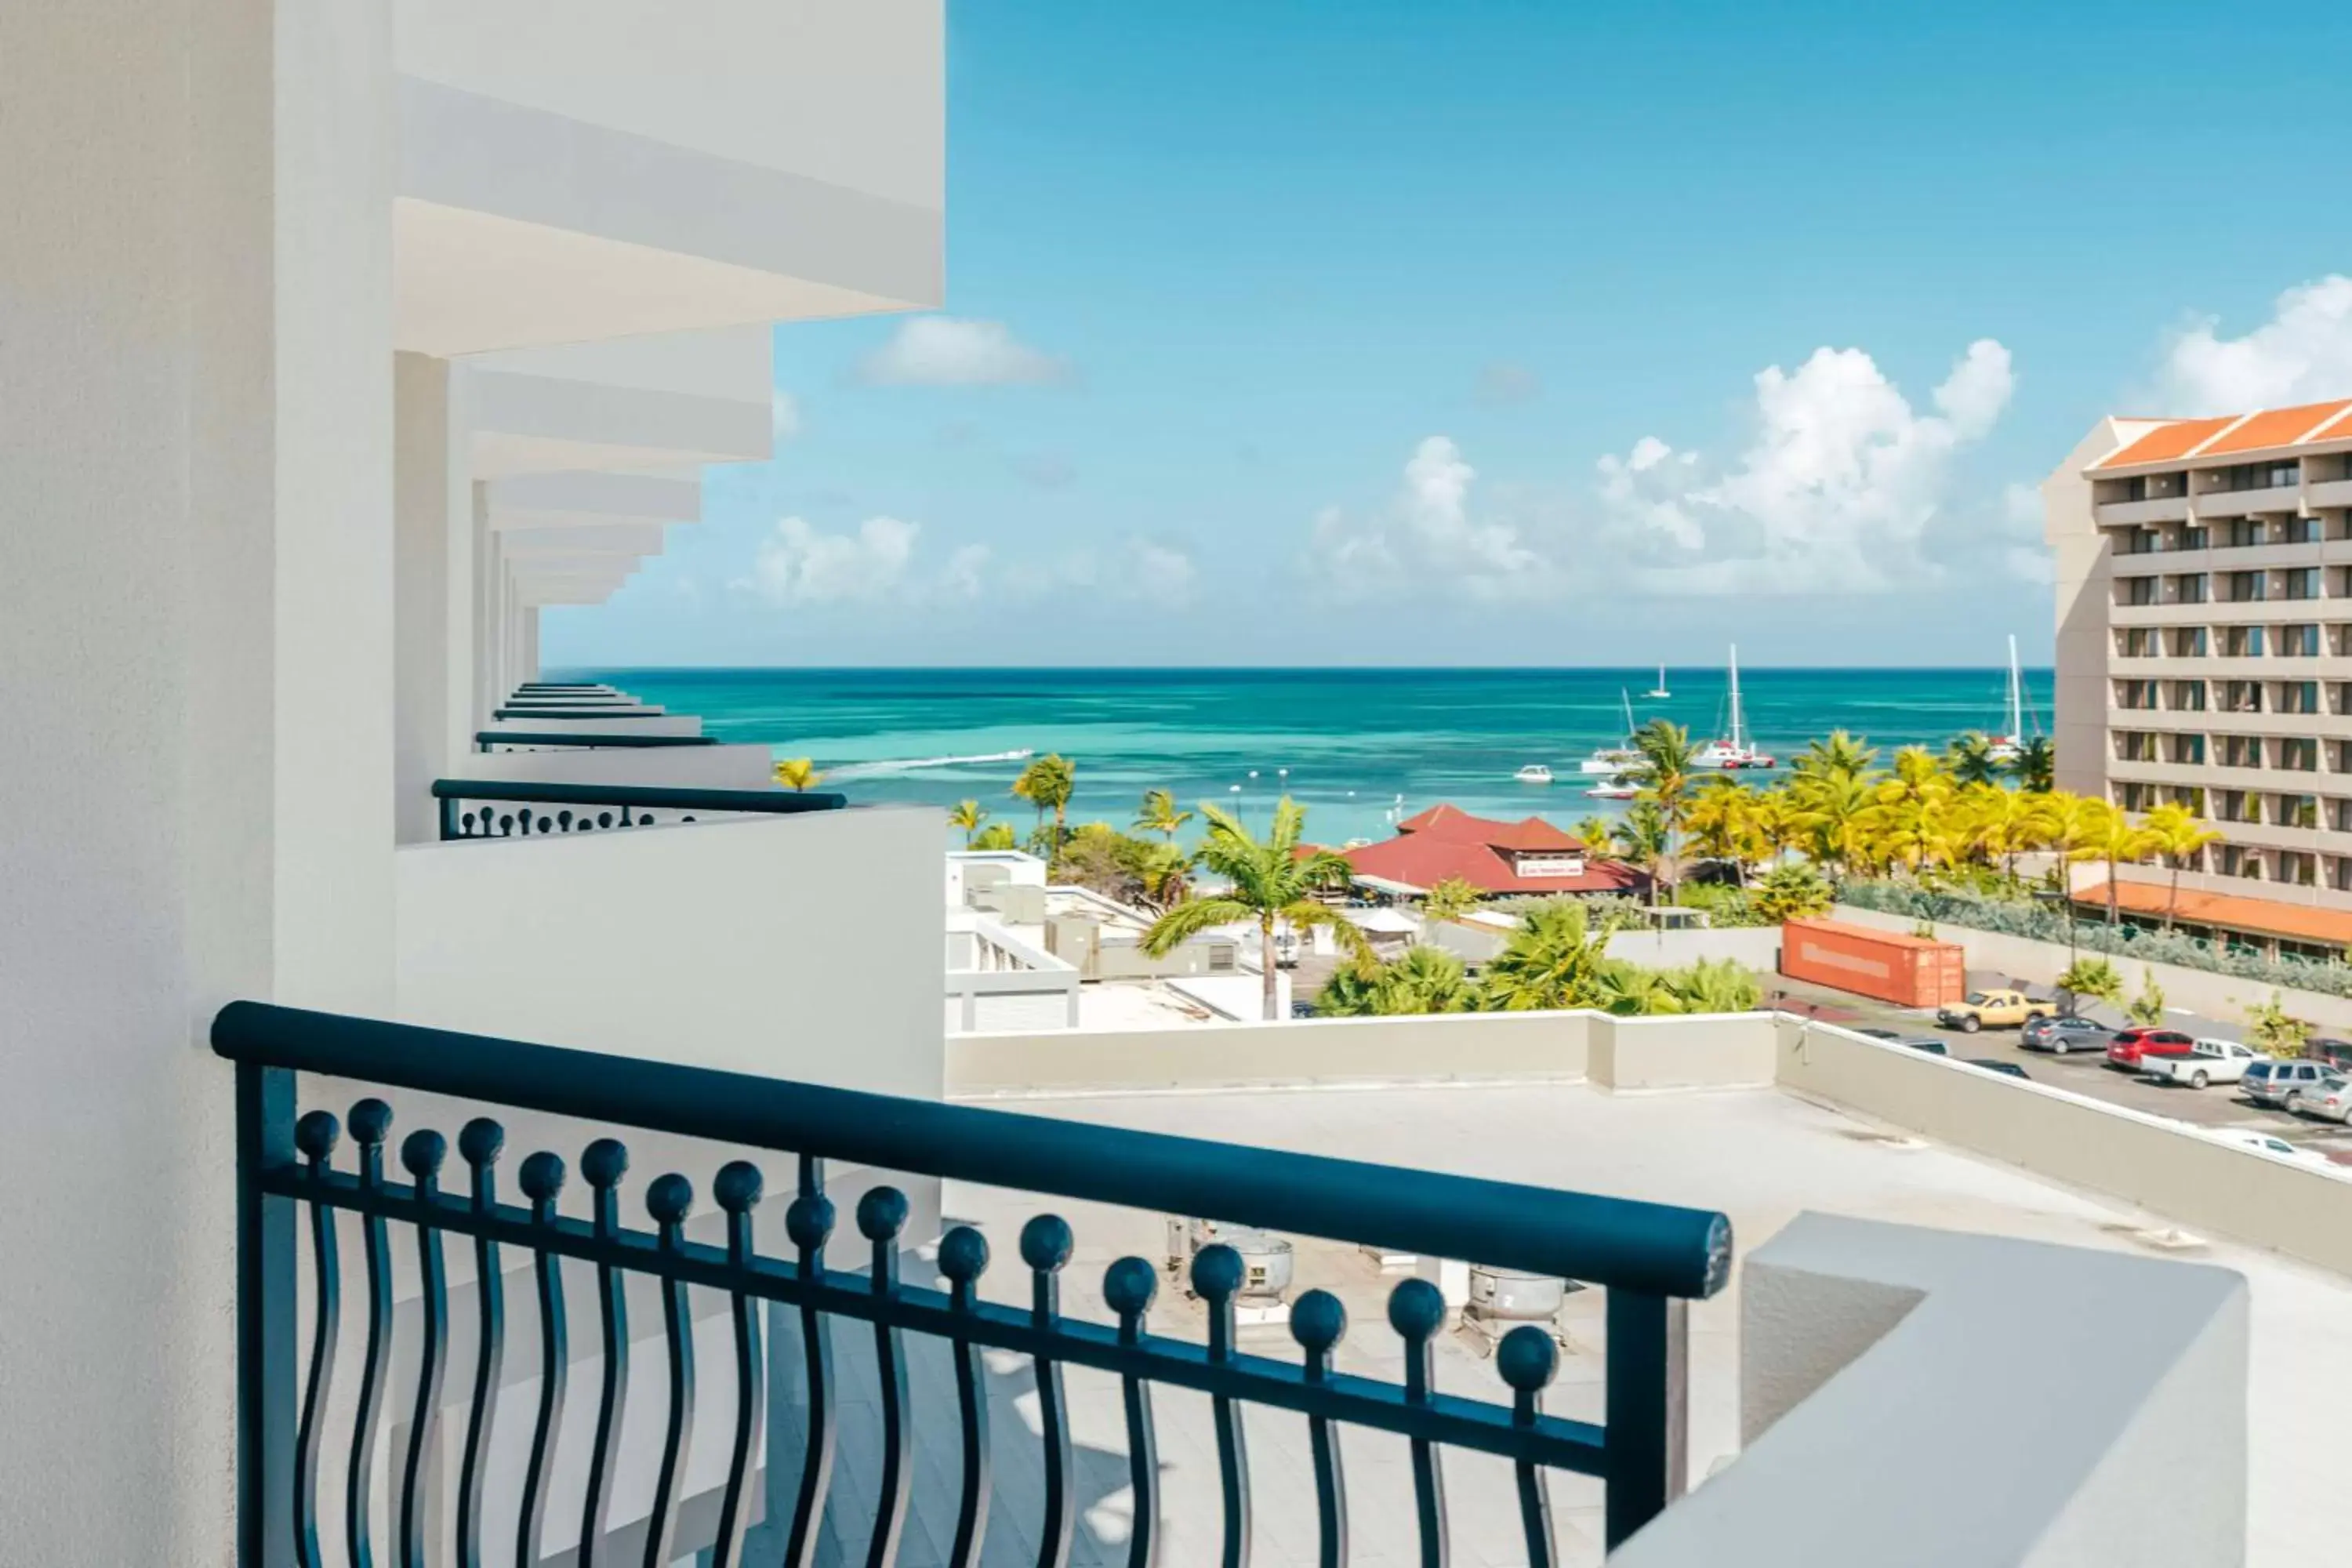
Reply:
x=784, y=946
x=194, y=574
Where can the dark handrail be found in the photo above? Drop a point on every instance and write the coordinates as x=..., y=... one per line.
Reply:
x=1655, y=1248
x=628, y=798
x=578, y=713
x=524, y=738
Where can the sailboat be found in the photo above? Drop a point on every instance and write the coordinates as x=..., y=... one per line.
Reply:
x=1615, y=760
x=2010, y=744
x=1658, y=692
x=1734, y=751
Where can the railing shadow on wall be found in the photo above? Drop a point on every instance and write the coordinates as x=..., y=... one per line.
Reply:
x=507, y=808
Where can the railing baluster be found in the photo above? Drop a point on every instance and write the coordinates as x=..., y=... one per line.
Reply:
x=315, y=1137
x=1318, y=1323
x=964, y=1259
x=541, y=1179
x=737, y=1190
x=1216, y=1280
x=1527, y=1360
x=480, y=1142
x=1416, y=1311
x=605, y=1162
x=881, y=1215
x=1128, y=1286
x=809, y=1222
x=1046, y=1244
x=421, y=1153
x=669, y=1200
x=1645, y=1443
x=371, y=1121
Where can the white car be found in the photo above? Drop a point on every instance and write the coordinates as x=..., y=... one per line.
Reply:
x=2271, y=1143
x=2207, y=1061
x=2330, y=1100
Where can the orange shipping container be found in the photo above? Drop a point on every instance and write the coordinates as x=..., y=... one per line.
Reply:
x=1909, y=970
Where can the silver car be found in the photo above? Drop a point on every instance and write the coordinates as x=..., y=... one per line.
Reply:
x=2284, y=1083
x=2330, y=1100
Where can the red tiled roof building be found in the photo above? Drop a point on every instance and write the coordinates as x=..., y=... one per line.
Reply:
x=1527, y=856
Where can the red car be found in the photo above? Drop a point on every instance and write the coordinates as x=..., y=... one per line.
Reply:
x=2129, y=1047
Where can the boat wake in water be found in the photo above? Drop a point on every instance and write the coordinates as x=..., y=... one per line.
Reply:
x=915, y=765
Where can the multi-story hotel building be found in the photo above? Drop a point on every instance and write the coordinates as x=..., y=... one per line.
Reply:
x=2204, y=612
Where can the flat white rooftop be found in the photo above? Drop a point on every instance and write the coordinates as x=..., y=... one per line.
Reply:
x=1760, y=1155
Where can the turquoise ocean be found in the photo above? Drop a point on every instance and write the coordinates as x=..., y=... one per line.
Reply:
x=1350, y=744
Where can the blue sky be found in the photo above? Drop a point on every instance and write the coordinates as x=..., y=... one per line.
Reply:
x=1507, y=332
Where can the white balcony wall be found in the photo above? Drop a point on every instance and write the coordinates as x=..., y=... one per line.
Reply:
x=194, y=583
x=673, y=767
x=787, y=946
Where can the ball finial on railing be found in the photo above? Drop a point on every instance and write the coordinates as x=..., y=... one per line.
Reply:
x=739, y=1186
x=670, y=1199
x=1047, y=1242
x=1528, y=1359
x=421, y=1153
x=541, y=1176
x=371, y=1121
x=316, y=1135
x=1128, y=1286
x=1416, y=1309
x=1317, y=1320
x=481, y=1141
x=605, y=1162
x=881, y=1214
x=963, y=1255
x=1216, y=1272
x=809, y=1221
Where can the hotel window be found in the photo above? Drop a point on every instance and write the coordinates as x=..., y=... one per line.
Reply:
x=2339, y=756
x=2236, y=860
x=2190, y=797
x=2299, y=867
x=2298, y=642
x=2238, y=805
x=2242, y=697
x=2193, y=538
x=2243, y=532
x=2135, y=797
x=2339, y=815
x=2339, y=873
x=2135, y=746
x=2339, y=640
x=2188, y=749
x=2187, y=697
x=2299, y=754
x=2185, y=642
x=2302, y=582
x=2298, y=696
x=2136, y=694
x=2139, y=541
x=2248, y=587
x=2241, y=752
x=2342, y=577
x=2135, y=642
x=2136, y=590
x=2241, y=642
x=2296, y=811
x=2260, y=475
x=2302, y=530
x=2189, y=588
x=2340, y=698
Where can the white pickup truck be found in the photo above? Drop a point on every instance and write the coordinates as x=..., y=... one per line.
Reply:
x=2207, y=1061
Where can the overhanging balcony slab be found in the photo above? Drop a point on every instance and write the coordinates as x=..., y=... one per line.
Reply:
x=583, y=499
x=652, y=401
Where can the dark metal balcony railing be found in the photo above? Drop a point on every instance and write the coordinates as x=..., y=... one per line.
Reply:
x=577, y=712
x=1650, y=1259
x=518, y=739
x=516, y=808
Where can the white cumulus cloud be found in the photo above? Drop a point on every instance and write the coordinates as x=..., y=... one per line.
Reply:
x=798, y=564
x=951, y=350
x=783, y=416
x=1429, y=536
x=2301, y=354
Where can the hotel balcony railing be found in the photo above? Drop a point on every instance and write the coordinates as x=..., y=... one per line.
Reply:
x=525, y=740
x=507, y=808
x=1650, y=1259
x=570, y=712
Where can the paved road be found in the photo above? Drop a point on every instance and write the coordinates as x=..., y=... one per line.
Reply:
x=2084, y=1074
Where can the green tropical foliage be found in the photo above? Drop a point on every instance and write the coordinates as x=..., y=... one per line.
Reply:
x=967, y=815
x=995, y=836
x=2095, y=978
x=1450, y=900
x=1557, y=957
x=798, y=773
x=2271, y=1028
x=1270, y=884
x=1158, y=814
x=2146, y=1009
x=1046, y=783
x=1792, y=892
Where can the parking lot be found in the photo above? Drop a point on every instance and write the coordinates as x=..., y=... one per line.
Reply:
x=2084, y=1073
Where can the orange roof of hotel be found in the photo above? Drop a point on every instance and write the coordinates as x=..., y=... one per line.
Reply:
x=2277, y=427
x=2230, y=911
x=2177, y=439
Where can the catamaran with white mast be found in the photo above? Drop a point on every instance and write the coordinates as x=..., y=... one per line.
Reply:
x=1615, y=759
x=1659, y=692
x=1733, y=751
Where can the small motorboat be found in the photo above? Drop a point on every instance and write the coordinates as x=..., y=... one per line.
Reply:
x=1534, y=773
x=1620, y=787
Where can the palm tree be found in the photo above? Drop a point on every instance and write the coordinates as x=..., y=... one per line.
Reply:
x=1160, y=815
x=1646, y=842
x=1708, y=985
x=1666, y=753
x=1842, y=755
x=2178, y=834
x=996, y=835
x=1723, y=824
x=1450, y=900
x=798, y=773
x=1557, y=957
x=1971, y=759
x=1829, y=807
x=1166, y=873
x=1046, y=783
x=2036, y=765
x=1599, y=834
x=1792, y=892
x=1270, y=882
x=967, y=815
x=2108, y=835
x=1425, y=980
